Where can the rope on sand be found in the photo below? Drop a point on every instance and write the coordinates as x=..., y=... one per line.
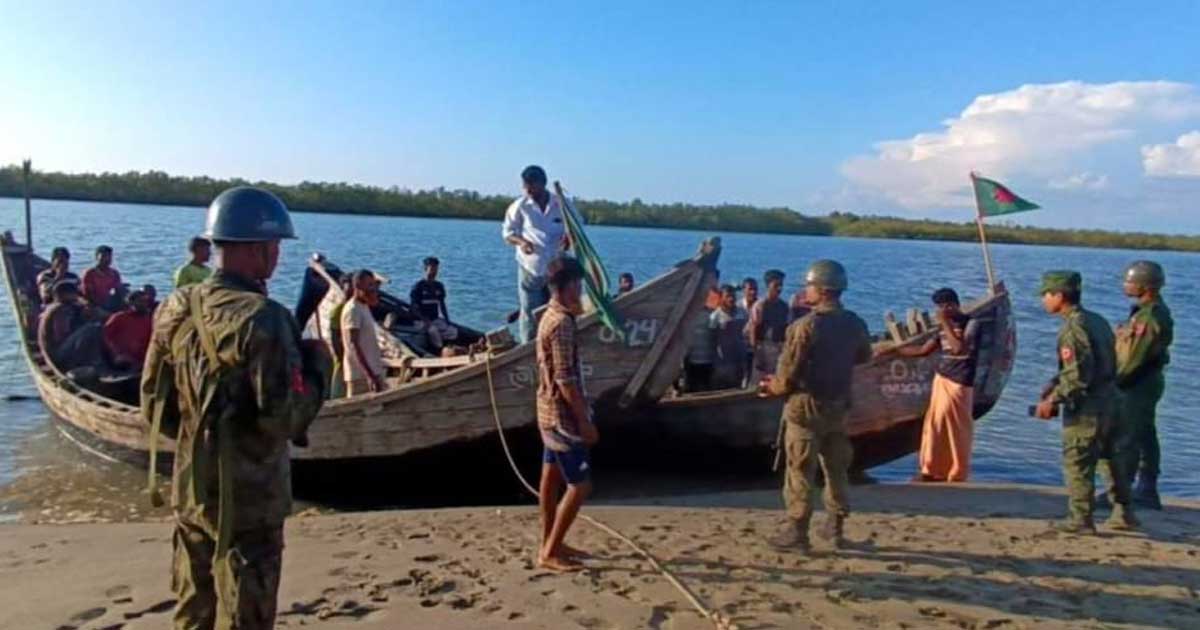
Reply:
x=721, y=622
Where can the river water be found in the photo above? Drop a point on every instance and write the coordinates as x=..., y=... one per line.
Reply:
x=37, y=465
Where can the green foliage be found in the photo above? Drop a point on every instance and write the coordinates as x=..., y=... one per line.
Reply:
x=156, y=187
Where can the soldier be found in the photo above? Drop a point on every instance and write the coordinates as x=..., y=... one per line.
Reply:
x=228, y=376
x=1085, y=391
x=814, y=372
x=1142, y=352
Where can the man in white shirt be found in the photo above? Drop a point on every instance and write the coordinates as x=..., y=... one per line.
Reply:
x=535, y=226
x=362, y=367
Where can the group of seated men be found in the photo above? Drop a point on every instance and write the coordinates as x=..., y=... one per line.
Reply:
x=735, y=342
x=96, y=321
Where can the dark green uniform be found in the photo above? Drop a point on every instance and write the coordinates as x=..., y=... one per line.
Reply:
x=227, y=375
x=1143, y=350
x=815, y=372
x=1085, y=390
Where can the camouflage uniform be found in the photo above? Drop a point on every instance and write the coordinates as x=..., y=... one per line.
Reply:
x=1142, y=353
x=815, y=370
x=1085, y=390
x=227, y=376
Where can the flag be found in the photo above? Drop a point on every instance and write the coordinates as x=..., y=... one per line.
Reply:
x=993, y=198
x=595, y=278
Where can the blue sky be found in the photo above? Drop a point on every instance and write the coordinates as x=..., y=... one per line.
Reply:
x=764, y=103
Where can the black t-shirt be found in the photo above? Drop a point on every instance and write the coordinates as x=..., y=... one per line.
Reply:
x=427, y=297
x=960, y=368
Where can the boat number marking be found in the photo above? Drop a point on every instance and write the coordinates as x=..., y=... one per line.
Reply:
x=905, y=378
x=525, y=376
x=638, y=332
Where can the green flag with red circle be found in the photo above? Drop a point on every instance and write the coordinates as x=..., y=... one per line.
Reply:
x=994, y=198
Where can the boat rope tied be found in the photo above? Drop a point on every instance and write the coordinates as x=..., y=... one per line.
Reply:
x=721, y=622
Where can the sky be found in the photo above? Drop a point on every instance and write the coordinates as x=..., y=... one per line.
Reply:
x=1091, y=109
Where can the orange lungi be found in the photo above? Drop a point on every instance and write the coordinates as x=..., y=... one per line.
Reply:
x=948, y=431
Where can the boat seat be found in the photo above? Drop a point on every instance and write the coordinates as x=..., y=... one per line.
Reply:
x=419, y=368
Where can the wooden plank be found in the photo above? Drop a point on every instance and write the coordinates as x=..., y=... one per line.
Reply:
x=660, y=344
x=893, y=329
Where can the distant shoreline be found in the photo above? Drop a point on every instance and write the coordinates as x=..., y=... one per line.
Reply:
x=157, y=188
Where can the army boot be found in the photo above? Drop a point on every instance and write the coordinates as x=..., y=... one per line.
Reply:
x=1072, y=526
x=793, y=537
x=1122, y=519
x=833, y=529
x=1146, y=493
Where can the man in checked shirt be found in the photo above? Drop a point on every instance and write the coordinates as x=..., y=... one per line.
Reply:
x=564, y=418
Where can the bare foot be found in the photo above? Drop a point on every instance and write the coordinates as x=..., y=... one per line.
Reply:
x=559, y=564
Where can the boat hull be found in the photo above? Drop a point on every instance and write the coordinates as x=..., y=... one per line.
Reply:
x=455, y=406
x=888, y=401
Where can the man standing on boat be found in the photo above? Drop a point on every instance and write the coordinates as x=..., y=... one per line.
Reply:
x=229, y=377
x=1143, y=352
x=363, y=360
x=1085, y=392
x=195, y=270
x=815, y=372
x=535, y=226
x=563, y=416
x=949, y=428
x=768, y=324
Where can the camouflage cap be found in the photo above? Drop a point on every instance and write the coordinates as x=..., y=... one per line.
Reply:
x=1061, y=280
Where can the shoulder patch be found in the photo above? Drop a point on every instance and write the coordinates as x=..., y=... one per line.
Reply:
x=298, y=385
x=1066, y=353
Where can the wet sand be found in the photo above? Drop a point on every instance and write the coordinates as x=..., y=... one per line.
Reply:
x=978, y=556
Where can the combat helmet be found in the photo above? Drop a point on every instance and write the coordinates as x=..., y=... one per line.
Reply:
x=1145, y=274
x=248, y=215
x=827, y=274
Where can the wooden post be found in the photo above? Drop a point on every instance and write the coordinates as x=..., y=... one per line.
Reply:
x=26, y=167
x=987, y=256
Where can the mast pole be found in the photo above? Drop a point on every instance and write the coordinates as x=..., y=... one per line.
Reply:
x=987, y=255
x=26, y=167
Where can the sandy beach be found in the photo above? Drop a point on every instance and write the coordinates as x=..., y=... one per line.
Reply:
x=974, y=556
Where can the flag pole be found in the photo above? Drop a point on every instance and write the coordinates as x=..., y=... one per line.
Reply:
x=987, y=256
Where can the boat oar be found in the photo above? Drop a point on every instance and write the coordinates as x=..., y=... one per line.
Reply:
x=19, y=398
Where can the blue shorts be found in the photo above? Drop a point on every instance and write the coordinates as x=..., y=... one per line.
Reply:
x=575, y=464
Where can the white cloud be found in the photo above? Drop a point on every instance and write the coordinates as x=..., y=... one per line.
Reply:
x=1180, y=159
x=1079, y=181
x=1048, y=138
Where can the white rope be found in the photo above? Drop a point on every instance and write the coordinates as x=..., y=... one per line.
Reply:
x=721, y=622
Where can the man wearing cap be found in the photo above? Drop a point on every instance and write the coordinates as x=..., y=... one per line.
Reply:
x=362, y=364
x=1143, y=352
x=535, y=226
x=1085, y=391
x=815, y=372
x=127, y=333
x=67, y=333
x=228, y=376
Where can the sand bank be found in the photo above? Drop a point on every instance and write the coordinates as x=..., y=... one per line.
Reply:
x=926, y=557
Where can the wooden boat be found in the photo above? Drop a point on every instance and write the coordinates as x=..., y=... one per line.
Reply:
x=889, y=398
x=433, y=401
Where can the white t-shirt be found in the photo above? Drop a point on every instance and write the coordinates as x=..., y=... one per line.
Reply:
x=545, y=230
x=357, y=316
